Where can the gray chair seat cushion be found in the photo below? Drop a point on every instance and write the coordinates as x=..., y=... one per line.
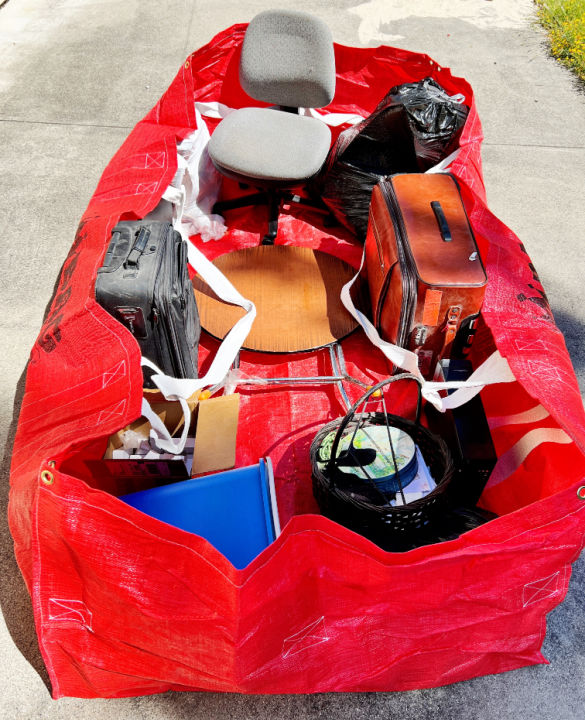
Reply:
x=270, y=145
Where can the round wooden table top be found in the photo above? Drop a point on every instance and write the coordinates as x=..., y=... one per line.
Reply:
x=296, y=293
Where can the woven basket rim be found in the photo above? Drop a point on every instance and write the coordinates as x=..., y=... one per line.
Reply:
x=403, y=424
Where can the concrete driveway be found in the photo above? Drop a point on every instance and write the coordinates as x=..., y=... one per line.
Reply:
x=76, y=75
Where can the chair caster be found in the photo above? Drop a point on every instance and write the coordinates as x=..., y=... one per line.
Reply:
x=269, y=239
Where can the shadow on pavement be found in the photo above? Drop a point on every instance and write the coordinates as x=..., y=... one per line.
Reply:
x=574, y=331
x=14, y=598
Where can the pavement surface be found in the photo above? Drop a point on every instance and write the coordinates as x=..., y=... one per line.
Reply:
x=76, y=75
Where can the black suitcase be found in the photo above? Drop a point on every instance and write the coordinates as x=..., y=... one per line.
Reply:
x=144, y=284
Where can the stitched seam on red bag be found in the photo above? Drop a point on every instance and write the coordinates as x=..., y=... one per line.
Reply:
x=39, y=604
x=308, y=632
x=537, y=593
x=65, y=610
x=68, y=389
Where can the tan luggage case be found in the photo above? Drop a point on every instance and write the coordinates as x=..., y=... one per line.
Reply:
x=425, y=274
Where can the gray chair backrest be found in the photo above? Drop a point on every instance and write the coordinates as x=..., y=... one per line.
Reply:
x=287, y=59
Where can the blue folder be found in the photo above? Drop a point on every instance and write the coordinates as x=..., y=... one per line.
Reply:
x=235, y=510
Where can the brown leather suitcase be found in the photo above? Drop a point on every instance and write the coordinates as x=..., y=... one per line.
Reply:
x=425, y=274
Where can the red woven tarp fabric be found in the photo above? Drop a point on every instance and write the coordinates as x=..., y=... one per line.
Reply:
x=126, y=605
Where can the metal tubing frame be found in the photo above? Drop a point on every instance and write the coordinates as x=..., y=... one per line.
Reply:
x=340, y=375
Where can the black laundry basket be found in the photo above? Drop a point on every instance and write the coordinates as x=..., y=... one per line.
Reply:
x=368, y=513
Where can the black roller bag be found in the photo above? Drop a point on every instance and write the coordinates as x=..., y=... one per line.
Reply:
x=144, y=283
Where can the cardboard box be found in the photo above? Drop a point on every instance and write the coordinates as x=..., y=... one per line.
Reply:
x=131, y=463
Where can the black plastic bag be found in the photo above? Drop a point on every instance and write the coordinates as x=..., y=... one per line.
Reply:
x=435, y=118
x=414, y=127
x=380, y=145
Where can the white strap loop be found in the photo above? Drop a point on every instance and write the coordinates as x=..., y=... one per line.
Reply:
x=444, y=164
x=218, y=110
x=213, y=109
x=332, y=119
x=494, y=370
x=175, y=388
x=162, y=436
x=182, y=388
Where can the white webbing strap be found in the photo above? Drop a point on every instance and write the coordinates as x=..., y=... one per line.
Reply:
x=217, y=110
x=494, y=370
x=182, y=388
x=162, y=436
x=174, y=388
x=443, y=165
x=332, y=119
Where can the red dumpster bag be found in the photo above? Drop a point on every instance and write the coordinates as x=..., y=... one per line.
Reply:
x=126, y=605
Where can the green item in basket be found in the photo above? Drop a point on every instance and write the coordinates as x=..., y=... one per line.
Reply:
x=373, y=437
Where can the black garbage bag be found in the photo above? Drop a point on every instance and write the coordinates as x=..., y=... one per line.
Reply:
x=414, y=127
x=435, y=118
x=380, y=145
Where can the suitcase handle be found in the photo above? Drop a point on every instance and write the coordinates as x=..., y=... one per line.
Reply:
x=442, y=221
x=138, y=247
x=374, y=390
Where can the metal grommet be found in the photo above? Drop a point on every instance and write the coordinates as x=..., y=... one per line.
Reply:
x=187, y=65
x=581, y=492
x=47, y=478
x=51, y=463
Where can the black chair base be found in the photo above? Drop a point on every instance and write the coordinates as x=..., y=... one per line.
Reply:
x=274, y=199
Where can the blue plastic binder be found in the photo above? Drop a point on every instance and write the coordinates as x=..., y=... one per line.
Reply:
x=235, y=510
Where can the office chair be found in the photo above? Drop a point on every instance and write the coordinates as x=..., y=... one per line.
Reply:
x=287, y=60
